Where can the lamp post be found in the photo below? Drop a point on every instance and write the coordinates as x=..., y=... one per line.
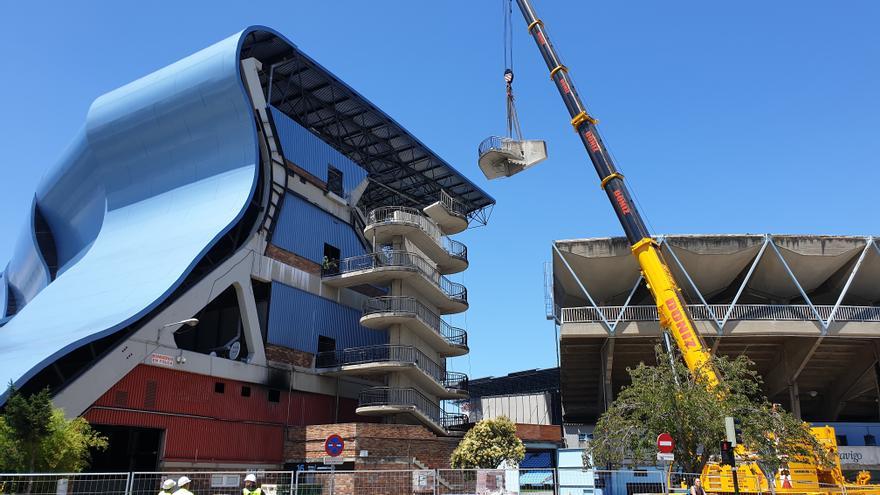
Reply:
x=190, y=322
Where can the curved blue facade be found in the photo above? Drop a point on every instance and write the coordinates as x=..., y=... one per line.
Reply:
x=162, y=168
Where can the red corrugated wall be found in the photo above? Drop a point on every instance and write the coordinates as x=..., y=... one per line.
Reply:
x=205, y=426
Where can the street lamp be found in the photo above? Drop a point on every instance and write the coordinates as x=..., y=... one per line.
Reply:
x=190, y=322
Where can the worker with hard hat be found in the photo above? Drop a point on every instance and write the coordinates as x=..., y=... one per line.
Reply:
x=250, y=485
x=183, y=486
x=167, y=486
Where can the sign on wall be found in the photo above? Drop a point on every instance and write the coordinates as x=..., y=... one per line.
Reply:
x=859, y=456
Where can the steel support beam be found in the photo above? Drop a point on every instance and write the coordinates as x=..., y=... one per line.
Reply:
x=796, y=354
x=841, y=390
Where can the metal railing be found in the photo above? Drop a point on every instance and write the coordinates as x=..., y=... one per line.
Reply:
x=389, y=353
x=413, y=216
x=401, y=259
x=410, y=397
x=454, y=380
x=498, y=143
x=452, y=205
x=410, y=305
x=778, y=312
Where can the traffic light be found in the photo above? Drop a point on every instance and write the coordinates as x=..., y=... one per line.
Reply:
x=727, y=458
x=737, y=431
x=733, y=430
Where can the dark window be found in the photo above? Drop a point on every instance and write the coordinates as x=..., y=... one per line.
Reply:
x=219, y=387
x=245, y=391
x=841, y=440
x=220, y=325
x=326, y=344
x=330, y=264
x=274, y=395
x=334, y=181
x=870, y=440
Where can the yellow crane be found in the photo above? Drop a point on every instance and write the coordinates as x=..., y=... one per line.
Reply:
x=506, y=157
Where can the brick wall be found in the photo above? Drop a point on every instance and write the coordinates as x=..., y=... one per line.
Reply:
x=293, y=260
x=390, y=446
x=287, y=355
x=539, y=433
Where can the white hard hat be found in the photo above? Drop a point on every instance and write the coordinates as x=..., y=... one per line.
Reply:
x=168, y=484
x=183, y=480
x=251, y=477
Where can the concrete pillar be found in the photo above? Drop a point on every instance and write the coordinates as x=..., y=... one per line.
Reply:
x=794, y=400
x=877, y=387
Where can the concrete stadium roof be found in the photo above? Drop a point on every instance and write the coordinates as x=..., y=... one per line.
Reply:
x=804, y=308
x=715, y=263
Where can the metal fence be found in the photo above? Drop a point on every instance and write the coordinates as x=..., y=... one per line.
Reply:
x=66, y=484
x=213, y=483
x=536, y=481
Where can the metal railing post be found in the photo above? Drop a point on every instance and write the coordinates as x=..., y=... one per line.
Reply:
x=129, y=484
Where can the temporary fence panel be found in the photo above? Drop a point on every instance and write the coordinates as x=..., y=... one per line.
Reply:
x=537, y=481
x=366, y=482
x=66, y=484
x=629, y=482
x=213, y=483
x=477, y=481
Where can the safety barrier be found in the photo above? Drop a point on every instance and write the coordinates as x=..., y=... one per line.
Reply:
x=532, y=481
x=66, y=483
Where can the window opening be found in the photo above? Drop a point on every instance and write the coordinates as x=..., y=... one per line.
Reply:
x=334, y=181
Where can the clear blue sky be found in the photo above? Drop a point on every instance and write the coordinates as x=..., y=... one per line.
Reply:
x=726, y=117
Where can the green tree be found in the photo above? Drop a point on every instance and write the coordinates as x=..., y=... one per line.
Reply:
x=36, y=437
x=489, y=443
x=669, y=398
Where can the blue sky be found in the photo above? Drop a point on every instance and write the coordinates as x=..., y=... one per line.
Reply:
x=725, y=117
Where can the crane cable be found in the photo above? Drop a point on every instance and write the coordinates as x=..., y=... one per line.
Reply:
x=512, y=119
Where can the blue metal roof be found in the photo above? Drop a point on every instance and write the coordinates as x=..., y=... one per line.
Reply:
x=163, y=167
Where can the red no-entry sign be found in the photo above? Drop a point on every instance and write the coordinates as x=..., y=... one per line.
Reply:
x=665, y=444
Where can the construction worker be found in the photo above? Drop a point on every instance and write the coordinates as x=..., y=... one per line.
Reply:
x=183, y=486
x=167, y=486
x=250, y=486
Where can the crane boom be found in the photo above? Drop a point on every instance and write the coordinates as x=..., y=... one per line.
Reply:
x=671, y=308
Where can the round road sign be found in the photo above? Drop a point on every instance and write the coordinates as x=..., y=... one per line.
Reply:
x=334, y=445
x=665, y=444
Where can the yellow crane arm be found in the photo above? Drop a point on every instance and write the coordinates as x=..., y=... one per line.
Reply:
x=670, y=305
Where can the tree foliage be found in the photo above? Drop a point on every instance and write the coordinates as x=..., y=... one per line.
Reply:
x=489, y=443
x=669, y=398
x=36, y=437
